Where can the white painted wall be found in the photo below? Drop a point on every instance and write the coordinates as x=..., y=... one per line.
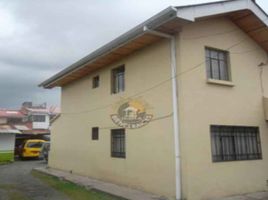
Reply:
x=3, y=120
x=42, y=125
x=7, y=142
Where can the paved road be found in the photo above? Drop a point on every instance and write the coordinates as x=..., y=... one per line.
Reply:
x=17, y=183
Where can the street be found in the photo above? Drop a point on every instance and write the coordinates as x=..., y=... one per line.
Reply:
x=17, y=183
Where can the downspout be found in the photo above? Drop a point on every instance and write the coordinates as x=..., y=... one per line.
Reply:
x=172, y=39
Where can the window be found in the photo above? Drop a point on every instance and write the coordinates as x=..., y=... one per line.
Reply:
x=118, y=79
x=14, y=120
x=34, y=144
x=217, y=64
x=231, y=143
x=118, y=143
x=39, y=118
x=95, y=133
x=95, y=82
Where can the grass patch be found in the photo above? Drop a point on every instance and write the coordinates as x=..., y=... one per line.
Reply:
x=73, y=191
x=8, y=187
x=15, y=195
x=6, y=157
x=12, y=192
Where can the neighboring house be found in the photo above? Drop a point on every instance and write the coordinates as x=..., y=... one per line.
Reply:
x=37, y=123
x=39, y=117
x=30, y=122
x=7, y=143
x=11, y=116
x=196, y=80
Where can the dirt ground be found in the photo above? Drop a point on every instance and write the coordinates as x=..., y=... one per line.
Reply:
x=17, y=183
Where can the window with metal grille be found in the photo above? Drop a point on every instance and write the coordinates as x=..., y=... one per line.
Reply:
x=39, y=118
x=217, y=64
x=118, y=143
x=95, y=133
x=95, y=82
x=14, y=120
x=118, y=79
x=233, y=143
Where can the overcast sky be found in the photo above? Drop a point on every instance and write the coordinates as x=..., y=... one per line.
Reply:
x=39, y=38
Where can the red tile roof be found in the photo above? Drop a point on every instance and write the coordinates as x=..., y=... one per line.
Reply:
x=8, y=129
x=11, y=113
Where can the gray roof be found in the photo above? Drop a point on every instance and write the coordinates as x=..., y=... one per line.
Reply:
x=153, y=22
x=187, y=13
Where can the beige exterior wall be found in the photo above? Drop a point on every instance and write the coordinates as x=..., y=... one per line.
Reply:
x=265, y=104
x=149, y=163
x=203, y=104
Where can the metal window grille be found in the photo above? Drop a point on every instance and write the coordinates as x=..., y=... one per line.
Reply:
x=39, y=118
x=118, y=143
x=95, y=133
x=118, y=79
x=95, y=82
x=14, y=120
x=233, y=143
x=217, y=64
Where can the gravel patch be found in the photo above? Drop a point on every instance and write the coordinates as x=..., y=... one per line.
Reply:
x=16, y=182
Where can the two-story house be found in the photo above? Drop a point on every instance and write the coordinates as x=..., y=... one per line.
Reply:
x=176, y=106
x=36, y=124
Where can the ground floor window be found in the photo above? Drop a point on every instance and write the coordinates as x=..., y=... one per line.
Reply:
x=118, y=143
x=231, y=143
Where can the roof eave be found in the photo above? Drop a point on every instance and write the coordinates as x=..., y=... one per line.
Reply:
x=186, y=13
x=194, y=12
x=155, y=21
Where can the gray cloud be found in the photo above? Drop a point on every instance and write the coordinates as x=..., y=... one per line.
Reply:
x=39, y=38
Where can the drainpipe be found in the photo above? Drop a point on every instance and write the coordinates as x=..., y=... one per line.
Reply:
x=172, y=39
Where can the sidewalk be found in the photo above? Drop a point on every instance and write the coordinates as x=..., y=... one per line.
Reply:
x=126, y=192
x=110, y=188
x=252, y=196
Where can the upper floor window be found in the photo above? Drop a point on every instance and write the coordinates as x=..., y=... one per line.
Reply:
x=230, y=143
x=118, y=79
x=96, y=82
x=217, y=64
x=39, y=118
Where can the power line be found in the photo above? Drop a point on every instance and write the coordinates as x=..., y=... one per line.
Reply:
x=211, y=35
x=247, y=51
x=153, y=120
x=151, y=88
x=220, y=33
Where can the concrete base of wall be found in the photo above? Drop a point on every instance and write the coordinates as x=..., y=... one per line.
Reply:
x=90, y=183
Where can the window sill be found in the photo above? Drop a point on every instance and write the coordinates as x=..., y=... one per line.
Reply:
x=117, y=93
x=220, y=82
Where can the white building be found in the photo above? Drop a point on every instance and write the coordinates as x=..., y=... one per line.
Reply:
x=7, y=143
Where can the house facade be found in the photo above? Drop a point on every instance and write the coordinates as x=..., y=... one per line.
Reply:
x=7, y=143
x=39, y=117
x=28, y=122
x=175, y=107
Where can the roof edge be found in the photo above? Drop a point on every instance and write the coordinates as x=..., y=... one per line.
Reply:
x=153, y=22
x=188, y=13
x=193, y=12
